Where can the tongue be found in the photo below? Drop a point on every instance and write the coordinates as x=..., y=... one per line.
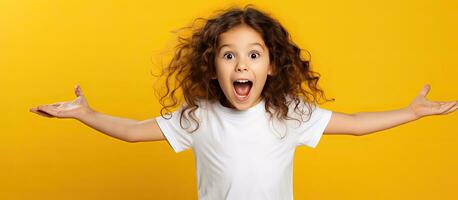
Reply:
x=242, y=88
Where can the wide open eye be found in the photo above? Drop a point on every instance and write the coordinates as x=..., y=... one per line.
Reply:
x=255, y=55
x=228, y=56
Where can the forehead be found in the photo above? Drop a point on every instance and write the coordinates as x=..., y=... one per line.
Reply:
x=241, y=35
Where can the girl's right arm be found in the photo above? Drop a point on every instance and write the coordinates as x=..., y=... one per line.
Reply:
x=121, y=128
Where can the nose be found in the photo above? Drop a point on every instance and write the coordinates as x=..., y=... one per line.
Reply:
x=241, y=67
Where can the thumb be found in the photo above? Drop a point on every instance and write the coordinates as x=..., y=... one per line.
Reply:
x=425, y=90
x=78, y=91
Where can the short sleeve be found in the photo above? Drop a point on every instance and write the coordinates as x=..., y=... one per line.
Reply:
x=309, y=132
x=178, y=138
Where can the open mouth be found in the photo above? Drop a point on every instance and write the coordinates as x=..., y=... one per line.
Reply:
x=242, y=89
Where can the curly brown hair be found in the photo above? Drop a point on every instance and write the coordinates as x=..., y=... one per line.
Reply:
x=193, y=66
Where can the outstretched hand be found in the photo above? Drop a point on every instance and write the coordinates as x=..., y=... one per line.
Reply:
x=70, y=109
x=421, y=107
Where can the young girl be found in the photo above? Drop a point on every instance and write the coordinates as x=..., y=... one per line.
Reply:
x=250, y=100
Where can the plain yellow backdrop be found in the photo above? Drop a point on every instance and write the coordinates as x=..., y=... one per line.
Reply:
x=372, y=55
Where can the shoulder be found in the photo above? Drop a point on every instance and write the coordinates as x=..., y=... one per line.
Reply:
x=186, y=108
x=196, y=110
x=188, y=117
x=187, y=111
x=298, y=105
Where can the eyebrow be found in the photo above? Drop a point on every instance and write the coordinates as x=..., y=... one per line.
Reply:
x=254, y=43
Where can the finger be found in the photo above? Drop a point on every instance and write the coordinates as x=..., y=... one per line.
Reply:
x=39, y=112
x=78, y=91
x=443, y=104
x=446, y=102
x=44, y=114
x=445, y=108
x=454, y=103
x=424, y=91
x=437, y=103
x=451, y=109
x=51, y=110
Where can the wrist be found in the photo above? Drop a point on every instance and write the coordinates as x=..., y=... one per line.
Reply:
x=411, y=114
x=85, y=114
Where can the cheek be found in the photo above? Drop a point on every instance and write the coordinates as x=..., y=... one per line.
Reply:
x=261, y=74
x=222, y=75
x=262, y=69
x=223, y=68
x=219, y=70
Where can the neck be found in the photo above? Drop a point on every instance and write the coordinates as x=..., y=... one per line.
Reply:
x=228, y=104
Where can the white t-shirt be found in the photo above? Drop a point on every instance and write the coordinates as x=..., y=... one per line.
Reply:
x=239, y=154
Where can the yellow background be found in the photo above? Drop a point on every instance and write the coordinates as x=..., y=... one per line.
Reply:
x=373, y=56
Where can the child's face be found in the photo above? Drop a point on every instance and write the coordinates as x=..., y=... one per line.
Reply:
x=242, y=55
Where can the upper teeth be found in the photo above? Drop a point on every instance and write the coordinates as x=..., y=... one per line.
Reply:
x=242, y=81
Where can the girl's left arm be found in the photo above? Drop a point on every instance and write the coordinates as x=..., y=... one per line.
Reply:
x=363, y=123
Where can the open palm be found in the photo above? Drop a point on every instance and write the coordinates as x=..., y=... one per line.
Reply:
x=422, y=107
x=70, y=109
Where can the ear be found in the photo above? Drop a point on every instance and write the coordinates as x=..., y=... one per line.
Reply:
x=269, y=71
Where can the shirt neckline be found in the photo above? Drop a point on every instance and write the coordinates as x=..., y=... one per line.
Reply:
x=239, y=113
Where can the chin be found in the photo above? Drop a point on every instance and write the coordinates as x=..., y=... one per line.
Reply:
x=243, y=106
